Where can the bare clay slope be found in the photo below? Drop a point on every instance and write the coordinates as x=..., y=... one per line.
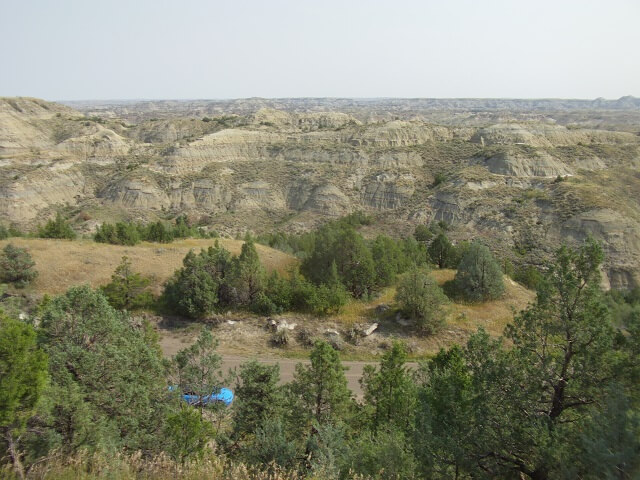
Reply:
x=498, y=175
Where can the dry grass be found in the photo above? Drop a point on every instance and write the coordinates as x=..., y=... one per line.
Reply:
x=121, y=466
x=62, y=263
x=493, y=316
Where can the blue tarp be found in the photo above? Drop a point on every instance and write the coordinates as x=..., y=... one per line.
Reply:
x=223, y=395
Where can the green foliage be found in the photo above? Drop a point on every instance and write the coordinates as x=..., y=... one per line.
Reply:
x=127, y=289
x=16, y=266
x=23, y=378
x=127, y=233
x=247, y=275
x=4, y=232
x=158, y=232
x=343, y=245
x=421, y=298
x=187, y=434
x=423, y=234
x=321, y=387
x=439, y=179
x=489, y=409
x=271, y=445
x=200, y=285
x=258, y=397
x=442, y=252
x=529, y=276
x=58, y=228
x=479, y=277
x=108, y=380
x=385, y=455
x=122, y=233
x=197, y=368
x=609, y=446
x=390, y=391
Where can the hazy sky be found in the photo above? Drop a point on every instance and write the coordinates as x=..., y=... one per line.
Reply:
x=112, y=49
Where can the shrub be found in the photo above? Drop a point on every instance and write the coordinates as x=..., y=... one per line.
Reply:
x=479, y=277
x=58, y=228
x=421, y=298
x=127, y=289
x=16, y=266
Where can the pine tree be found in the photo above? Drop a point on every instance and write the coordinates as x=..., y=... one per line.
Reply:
x=390, y=391
x=127, y=289
x=23, y=378
x=420, y=297
x=16, y=266
x=58, y=228
x=258, y=397
x=479, y=277
x=322, y=386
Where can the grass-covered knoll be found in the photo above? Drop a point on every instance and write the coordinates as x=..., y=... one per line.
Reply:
x=62, y=263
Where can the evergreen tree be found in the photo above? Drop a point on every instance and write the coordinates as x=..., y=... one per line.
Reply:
x=23, y=378
x=58, y=228
x=321, y=386
x=127, y=289
x=197, y=368
x=127, y=234
x=441, y=251
x=258, y=397
x=16, y=266
x=158, y=232
x=248, y=274
x=187, y=434
x=108, y=381
x=192, y=291
x=479, y=277
x=341, y=244
x=423, y=234
x=388, y=258
x=390, y=391
x=420, y=297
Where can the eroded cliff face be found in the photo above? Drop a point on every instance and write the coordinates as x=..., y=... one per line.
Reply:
x=526, y=186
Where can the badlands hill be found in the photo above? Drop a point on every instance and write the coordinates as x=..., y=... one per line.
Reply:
x=525, y=176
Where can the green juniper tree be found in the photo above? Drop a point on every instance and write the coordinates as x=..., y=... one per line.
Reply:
x=258, y=397
x=127, y=289
x=16, y=266
x=58, y=228
x=23, y=378
x=108, y=381
x=321, y=387
x=441, y=251
x=390, y=391
x=420, y=297
x=479, y=276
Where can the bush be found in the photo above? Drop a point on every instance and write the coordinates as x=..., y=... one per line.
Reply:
x=479, y=277
x=127, y=289
x=58, y=228
x=420, y=297
x=16, y=266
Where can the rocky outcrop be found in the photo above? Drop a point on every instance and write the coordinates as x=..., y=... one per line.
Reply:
x=294, y=167
x=620, y=237
x=387, y=191
x=23, y=200
x=536, y=164
x=139, y=193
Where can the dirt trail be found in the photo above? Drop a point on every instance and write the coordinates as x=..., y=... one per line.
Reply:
x=287, y=367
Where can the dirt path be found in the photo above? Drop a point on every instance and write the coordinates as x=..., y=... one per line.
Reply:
x=287, y=367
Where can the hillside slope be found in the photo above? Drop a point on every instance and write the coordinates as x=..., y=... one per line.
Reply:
x=526, y=183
